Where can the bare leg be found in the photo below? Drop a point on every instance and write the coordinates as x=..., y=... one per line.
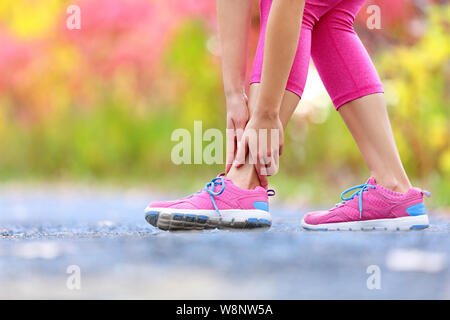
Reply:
x=368, y=121
x=245, y=176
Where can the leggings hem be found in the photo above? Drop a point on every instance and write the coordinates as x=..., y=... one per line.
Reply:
x=289, y=87
x=340, y=101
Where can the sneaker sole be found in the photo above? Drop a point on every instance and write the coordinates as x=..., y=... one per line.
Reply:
x=394, y=224
x=179, y=219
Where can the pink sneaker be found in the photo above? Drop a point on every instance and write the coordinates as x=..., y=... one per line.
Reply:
x=372, y=207
x=220, y=204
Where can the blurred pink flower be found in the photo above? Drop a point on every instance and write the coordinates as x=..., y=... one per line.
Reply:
x=120, y=32
x=15, y=58
x=133, y=33
x=120, y=42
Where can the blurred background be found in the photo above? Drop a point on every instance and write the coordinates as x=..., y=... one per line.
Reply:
x=86, y=118
x=98, y=105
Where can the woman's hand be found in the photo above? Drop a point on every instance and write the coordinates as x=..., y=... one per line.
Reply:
x=237, y=117
x=263, y=141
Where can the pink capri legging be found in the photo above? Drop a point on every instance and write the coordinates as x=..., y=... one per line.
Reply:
x=340, y=58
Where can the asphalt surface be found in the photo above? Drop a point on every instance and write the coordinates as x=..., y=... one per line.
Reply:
x=79, y=242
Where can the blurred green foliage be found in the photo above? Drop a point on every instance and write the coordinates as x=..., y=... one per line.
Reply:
x=109, y=129
x=419, y=100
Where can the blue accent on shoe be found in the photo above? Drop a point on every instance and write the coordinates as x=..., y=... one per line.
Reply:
x=152, y=217
x=362, y=188
x=202, y=219
x=252, y=223
x=319, y=229
x=261, y=205
x=417, y=209
x=178, y=216
x=419, y=226
x=265, y=221
x=190, y=217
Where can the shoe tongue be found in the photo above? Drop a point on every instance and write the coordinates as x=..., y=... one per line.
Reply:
x=371, y=181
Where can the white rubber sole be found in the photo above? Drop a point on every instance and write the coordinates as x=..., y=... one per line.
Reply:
x=188, y=219
x=395, y=224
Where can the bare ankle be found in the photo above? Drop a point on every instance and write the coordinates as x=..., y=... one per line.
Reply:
x=392, y=183
x=243, y=185
x=244, y=177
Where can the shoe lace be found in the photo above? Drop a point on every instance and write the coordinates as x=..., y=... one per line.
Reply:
x=360, y=189
x=210, y=186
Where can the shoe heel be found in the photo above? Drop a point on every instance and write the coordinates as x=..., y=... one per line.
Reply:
x=417, y=209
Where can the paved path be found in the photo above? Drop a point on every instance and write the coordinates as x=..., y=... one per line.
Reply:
x=104, y=234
